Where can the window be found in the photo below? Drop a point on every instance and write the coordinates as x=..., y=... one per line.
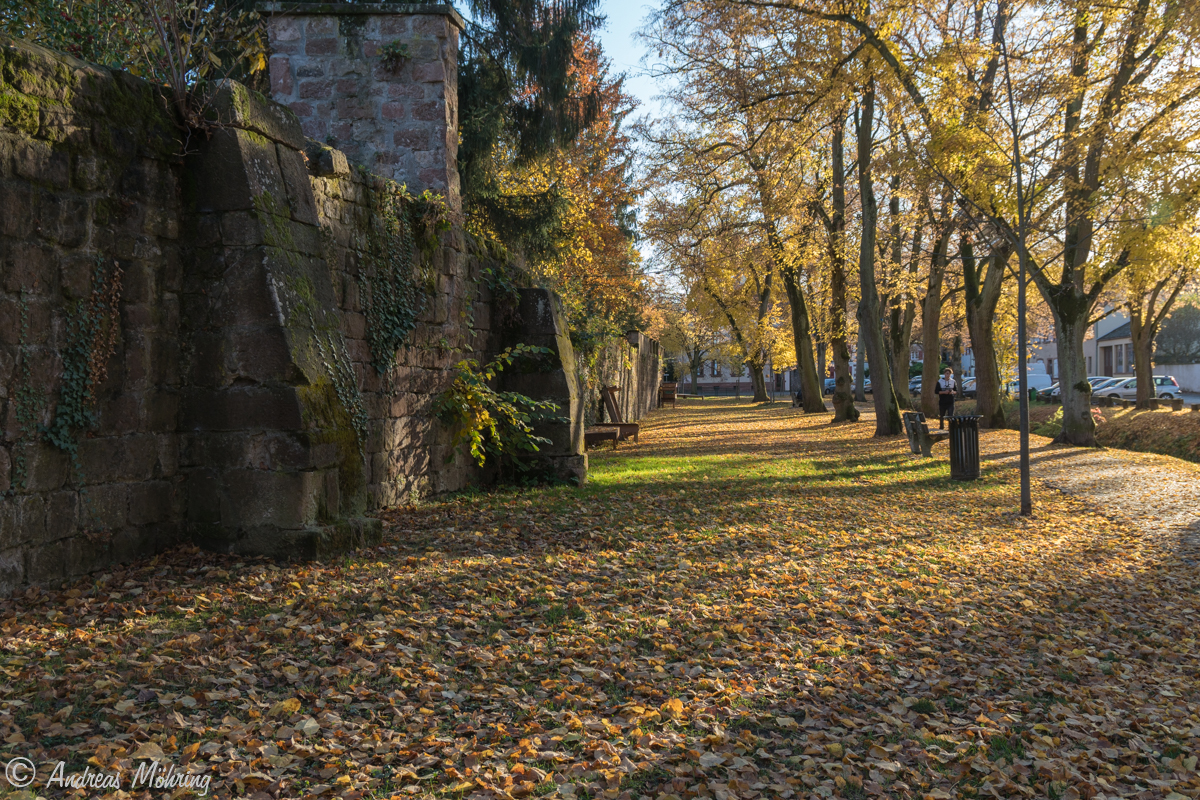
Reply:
x=1129, y=355
x=1120, y=356
x=716, y=369
x=1089, y=358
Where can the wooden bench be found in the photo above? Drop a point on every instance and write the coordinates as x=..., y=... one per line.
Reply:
x=598, y=435
x=624, y=429
x=666, y=392
x=920, y=439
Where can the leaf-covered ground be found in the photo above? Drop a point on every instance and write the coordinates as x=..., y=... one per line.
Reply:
x=749, y=603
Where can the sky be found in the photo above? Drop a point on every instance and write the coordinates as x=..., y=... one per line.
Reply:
x=625, y=17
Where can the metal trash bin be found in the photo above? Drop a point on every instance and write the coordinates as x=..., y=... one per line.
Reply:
x=964, y=448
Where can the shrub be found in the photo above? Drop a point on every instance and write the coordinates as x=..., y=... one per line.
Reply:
x=492, y=424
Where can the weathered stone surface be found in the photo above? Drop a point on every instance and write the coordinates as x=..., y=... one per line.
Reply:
x=539, y=321
x=239, y=408
x=236, y=106
x=229, y=413
x=399, y=120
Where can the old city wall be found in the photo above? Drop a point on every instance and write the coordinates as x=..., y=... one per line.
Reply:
x=90, y=188
x=185, y=347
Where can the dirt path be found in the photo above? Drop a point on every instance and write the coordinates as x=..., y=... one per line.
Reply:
x=1158, y=495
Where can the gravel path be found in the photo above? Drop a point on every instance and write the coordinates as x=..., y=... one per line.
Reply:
x=1158, y=495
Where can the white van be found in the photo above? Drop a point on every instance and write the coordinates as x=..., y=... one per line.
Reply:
x=1033, y=380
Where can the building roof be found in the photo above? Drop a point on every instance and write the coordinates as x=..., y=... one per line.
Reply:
x=1120, y=332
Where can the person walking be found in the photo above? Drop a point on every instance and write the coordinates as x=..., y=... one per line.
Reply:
x=947, y=388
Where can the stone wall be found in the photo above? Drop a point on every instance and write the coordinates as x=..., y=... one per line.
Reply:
x=272, y=427
x=406, y=447
x=89, y=185
x=538, y=320
x=239, y=407
x=398, y=119
x=633, y=364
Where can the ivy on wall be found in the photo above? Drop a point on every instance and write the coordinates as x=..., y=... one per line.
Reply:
x=394, y=294
x=25, y=401
x=92, y=330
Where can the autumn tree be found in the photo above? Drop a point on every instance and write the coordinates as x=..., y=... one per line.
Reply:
x=738, y=148
x=686, y=334
x=1161, y=244
x=568, y=210
x=1178, y=339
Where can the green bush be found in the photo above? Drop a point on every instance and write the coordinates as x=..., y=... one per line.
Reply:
x=490, y=424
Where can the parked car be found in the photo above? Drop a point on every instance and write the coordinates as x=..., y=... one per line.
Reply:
x=969, y=388
x=829, y=384
x=914, y=386
x=1165, y=388
x=1055, y=391
x=1100, y=386
x=1034, y=380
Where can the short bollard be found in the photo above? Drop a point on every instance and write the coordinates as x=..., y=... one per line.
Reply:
x=964, y=448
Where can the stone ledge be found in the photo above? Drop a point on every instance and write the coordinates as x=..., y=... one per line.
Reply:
x=335, y=9
x=237, y=107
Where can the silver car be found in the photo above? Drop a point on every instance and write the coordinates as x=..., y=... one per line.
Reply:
x=1165, y=388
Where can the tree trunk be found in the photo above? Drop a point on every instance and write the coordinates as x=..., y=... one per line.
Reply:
x=860, y=368
x=1079, y=427
x=899, y=336
x=1143, y=346
x=1146, y=316
x=956, y=354
x=759, y=383
x=901, y=310
x=843, y=400
x=988, y=403
x=810, y=383
x=931, y=324
x=982, y=297
x=870, y=320
x=696, y=363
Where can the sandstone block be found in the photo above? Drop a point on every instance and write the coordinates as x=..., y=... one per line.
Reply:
x=150, y=502
x=281, y=75
x=243, y=408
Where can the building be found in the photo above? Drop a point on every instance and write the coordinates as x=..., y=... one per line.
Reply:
x=1109, y=351
x=721, y=378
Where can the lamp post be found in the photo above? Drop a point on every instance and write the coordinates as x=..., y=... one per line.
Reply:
x=1022, y=259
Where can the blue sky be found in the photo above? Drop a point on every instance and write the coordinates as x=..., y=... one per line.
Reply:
x=625, y=17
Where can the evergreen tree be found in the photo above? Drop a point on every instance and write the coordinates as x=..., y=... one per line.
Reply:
x=520, y=99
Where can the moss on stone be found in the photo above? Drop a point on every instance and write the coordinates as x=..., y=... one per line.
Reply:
x=328, y=422
x=19, y=112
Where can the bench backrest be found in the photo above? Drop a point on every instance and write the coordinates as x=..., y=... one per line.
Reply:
x=609, y=393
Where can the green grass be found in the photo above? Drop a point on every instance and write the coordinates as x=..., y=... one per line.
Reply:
x=924, y=706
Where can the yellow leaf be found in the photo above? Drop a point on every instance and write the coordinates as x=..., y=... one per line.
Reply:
x=289, y=706
x=150, y=750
